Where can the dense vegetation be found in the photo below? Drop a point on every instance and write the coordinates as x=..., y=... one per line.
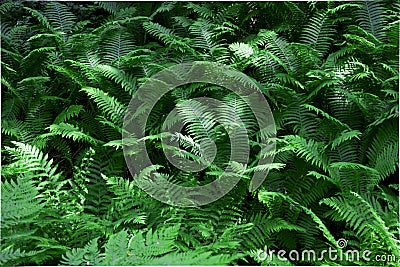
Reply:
x=329, y=71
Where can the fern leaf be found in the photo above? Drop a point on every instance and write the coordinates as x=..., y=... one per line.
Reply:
x=361, y=216
x=309, y=149
x=70, y=131
x=89, y=255
x=265, y=197
x=42, y=19
x=383, y=151
x=9, y=256
x=68, y=113
x=60, y=17
x=371, y=17
x=278, y=47
x=127, y=81
x=107, y=104
x=20, y=203
x=319, y=32
x=30, y=159
x=345, y=136
x=326, y=115
x=116, y=43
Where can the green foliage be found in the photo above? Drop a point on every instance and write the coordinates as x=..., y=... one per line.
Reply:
x=329, y=71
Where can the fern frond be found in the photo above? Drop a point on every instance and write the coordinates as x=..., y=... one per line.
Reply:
x=362, y=217
x=107, y=104
x=303, y=121
x=128, y=82
x=319, y=32
x=139, y=249
x=238, y=111
x=89, y=255
x=41, y=18
x=263, y=228
x=242, y=50
x=345, y=136
x=7, y=6
x=128, y=200
x=29, y=159
x=20, y=203
x=267, y=197
x=9, y=256
x=111, y=7
x=356, y=176
x=36, y=57
x=278, y=47
x=164, y=7
x=371, y=17
x=326, y=115
x=116, y=42
x=60, y=17
x=309, y=149
x=383, y=151
x=17, y=129
x=70, y=131
x=206, y=38
x=68, y=113
x=202, y=10
x=198, y=118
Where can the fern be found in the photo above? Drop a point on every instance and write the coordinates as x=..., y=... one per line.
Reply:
x=345, y=136
x=42, y=19
x=371, y=18
x=60, y=17
x=19, y=203
x=279, y=48
x=107, y=104
x=364, y=219
x=70, y=131
x=266, y=196
x=205, y=38
x=126, y=81
x=68, y=113
x=328, y=71
x=383, y=151
x=312, y=151
x=9, y=257
x=116, y=43
x=303, y=121
x=263, y=229
x=319, y=32
x=29, y=159
x=127, y=201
